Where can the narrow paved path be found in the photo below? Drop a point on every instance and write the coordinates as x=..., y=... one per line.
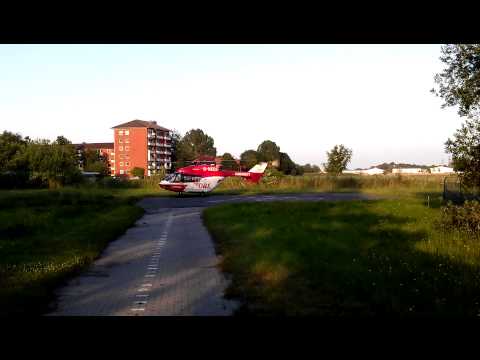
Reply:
x=164, y=265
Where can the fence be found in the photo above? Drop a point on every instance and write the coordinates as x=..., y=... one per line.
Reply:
x=456, y=192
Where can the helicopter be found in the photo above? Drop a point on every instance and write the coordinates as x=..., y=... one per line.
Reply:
x=203, y=177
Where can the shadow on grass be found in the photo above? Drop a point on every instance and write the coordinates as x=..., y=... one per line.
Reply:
x=337, y=260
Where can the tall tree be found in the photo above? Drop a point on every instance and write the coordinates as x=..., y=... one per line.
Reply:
x=228, y=162
x=11, y=146
x=465, y=150
x=287, y=166
x=459, y=85
x=199, y=143
x=249, y=159
x=52, y=162
x=268, y=151
x=337, y=159
x=176, y=137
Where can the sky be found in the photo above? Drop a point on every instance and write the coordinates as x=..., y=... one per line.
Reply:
x=374, y=99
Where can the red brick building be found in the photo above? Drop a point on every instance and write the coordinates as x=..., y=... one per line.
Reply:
x=105, y=150
x=142, y=144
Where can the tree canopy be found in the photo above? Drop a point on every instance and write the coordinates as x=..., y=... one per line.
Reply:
x=53, y=162
x=337, y=159
x=192, y=145
x=249, y=159
x=465, y=150
x=228, y=162
x=268, y=151
x=459, y=85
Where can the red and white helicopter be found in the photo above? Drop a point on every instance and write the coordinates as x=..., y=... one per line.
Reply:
x=203, y=178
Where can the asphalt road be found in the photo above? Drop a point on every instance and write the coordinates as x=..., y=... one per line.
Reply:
x=165, y=264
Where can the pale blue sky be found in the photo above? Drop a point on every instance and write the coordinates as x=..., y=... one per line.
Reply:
x=374, y=99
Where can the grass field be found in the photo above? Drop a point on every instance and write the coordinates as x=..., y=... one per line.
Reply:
x=347, y=259
x=47, y=236
x=380, y=184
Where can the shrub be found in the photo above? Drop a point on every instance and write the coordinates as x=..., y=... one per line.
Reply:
x=138, y=171
x=464, y=217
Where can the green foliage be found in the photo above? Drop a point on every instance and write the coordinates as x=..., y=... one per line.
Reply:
x=268, y=151
x=30, y=162
x=337, y=159
x=52, y=162
x=249, y=159
x=138, y=171
x=465, y=150
x=193, y=144
x=464, y=217
x=176, y=137
x=286, y=164
x=459, y=83
x=12, y=147
x=228, y=162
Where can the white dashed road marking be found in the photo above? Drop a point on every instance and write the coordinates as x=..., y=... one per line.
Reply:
x=151, y=268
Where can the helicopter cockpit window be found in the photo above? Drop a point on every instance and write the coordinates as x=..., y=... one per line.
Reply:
x=169, y=177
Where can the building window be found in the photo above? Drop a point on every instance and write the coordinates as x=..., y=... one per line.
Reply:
x=127, y=148
x=127, y=132
x=127, y=163
x=120, y=140
x=121, y=163
x=120, y=148
x=120, y=132
x=122, y=172
x=127, y=141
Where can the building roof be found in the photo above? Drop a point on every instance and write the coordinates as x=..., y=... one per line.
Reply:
x=142, y=124
x=94, y=145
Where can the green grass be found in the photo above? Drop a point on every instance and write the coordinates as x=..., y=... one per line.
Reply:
x=379, y=184
x=347, y=259
x=46, y=236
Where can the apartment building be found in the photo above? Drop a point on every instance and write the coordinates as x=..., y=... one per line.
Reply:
x=143, y=144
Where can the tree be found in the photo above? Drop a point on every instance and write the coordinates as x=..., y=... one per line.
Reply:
x=249, y=159
x=307, y=168
x=268, y=151
x=93, y=161
x=196, y=143
x=138, y=171
x=459, y=82
x=286, y=164
x=61, y=140
x=176, y=137
x=228, y=162
x=459, y=85
x=52, y=162
x=465, y=150
x=11, y=146
x=337, y=159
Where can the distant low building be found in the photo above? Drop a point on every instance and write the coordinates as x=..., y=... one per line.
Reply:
x=411, y=171
x=372, y=171
x=441, y=169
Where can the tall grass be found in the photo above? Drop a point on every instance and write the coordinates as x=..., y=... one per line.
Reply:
x=325, y=183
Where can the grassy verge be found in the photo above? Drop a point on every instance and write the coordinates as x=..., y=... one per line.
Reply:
x=362, y=258
x=47, y=236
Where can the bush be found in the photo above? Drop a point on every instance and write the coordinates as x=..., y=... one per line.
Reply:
x=464, y=217
x=138, y=171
